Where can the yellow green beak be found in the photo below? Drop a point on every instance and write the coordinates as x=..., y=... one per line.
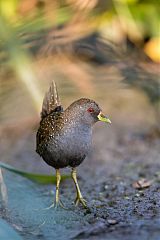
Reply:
x=103, y=118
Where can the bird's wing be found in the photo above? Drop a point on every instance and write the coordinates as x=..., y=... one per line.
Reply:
x=47, y=130
x=51, y=101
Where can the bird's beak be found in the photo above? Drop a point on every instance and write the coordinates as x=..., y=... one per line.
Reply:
x=103, y=118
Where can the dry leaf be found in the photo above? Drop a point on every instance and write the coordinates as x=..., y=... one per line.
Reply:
x=142, y=183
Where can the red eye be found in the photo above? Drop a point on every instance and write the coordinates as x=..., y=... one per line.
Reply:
x=90, y=110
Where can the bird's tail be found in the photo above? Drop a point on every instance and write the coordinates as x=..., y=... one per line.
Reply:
x=51, y=101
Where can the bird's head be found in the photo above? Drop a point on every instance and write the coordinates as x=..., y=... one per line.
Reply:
x=87, y=111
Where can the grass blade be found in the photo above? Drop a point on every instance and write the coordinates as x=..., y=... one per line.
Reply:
x=39, y=178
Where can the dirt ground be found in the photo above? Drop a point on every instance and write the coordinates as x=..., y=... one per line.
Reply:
x=108, y=177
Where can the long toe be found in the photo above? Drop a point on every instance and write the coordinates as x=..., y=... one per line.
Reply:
x=81, y=200
x=51, y=206
x=60, y=204
x=56, y=205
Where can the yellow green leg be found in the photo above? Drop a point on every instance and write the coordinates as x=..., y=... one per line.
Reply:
x=57, y=199
x=58, y=180
x=79, y=198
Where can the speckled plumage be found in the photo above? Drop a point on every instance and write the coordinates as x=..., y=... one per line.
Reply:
x=64, y=137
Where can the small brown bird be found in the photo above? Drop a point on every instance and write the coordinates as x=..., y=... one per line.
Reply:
x=64, y=137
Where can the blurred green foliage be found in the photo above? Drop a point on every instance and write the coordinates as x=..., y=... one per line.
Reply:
x=138, y=18
x=29, y=26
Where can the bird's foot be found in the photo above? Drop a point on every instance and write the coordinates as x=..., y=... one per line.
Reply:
x=81, y=200
x=56, y=205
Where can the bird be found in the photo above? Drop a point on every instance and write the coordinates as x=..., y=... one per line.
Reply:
x=64, y=136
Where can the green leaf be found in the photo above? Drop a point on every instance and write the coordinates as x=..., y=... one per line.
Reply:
x=39, y=178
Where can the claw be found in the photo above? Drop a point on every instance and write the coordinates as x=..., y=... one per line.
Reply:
x=56, y=205
x=80, y=200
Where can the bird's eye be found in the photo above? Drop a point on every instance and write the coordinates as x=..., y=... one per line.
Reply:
x=90, y=110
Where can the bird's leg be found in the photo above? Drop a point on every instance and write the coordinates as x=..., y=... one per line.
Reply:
x=79, y=198
x=58, y=202
x=57, y=199
x=58, y=179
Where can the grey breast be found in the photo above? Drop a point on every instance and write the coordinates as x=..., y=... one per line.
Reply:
x=73, y=142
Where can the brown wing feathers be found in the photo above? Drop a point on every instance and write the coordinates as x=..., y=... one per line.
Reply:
x=51, y=101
